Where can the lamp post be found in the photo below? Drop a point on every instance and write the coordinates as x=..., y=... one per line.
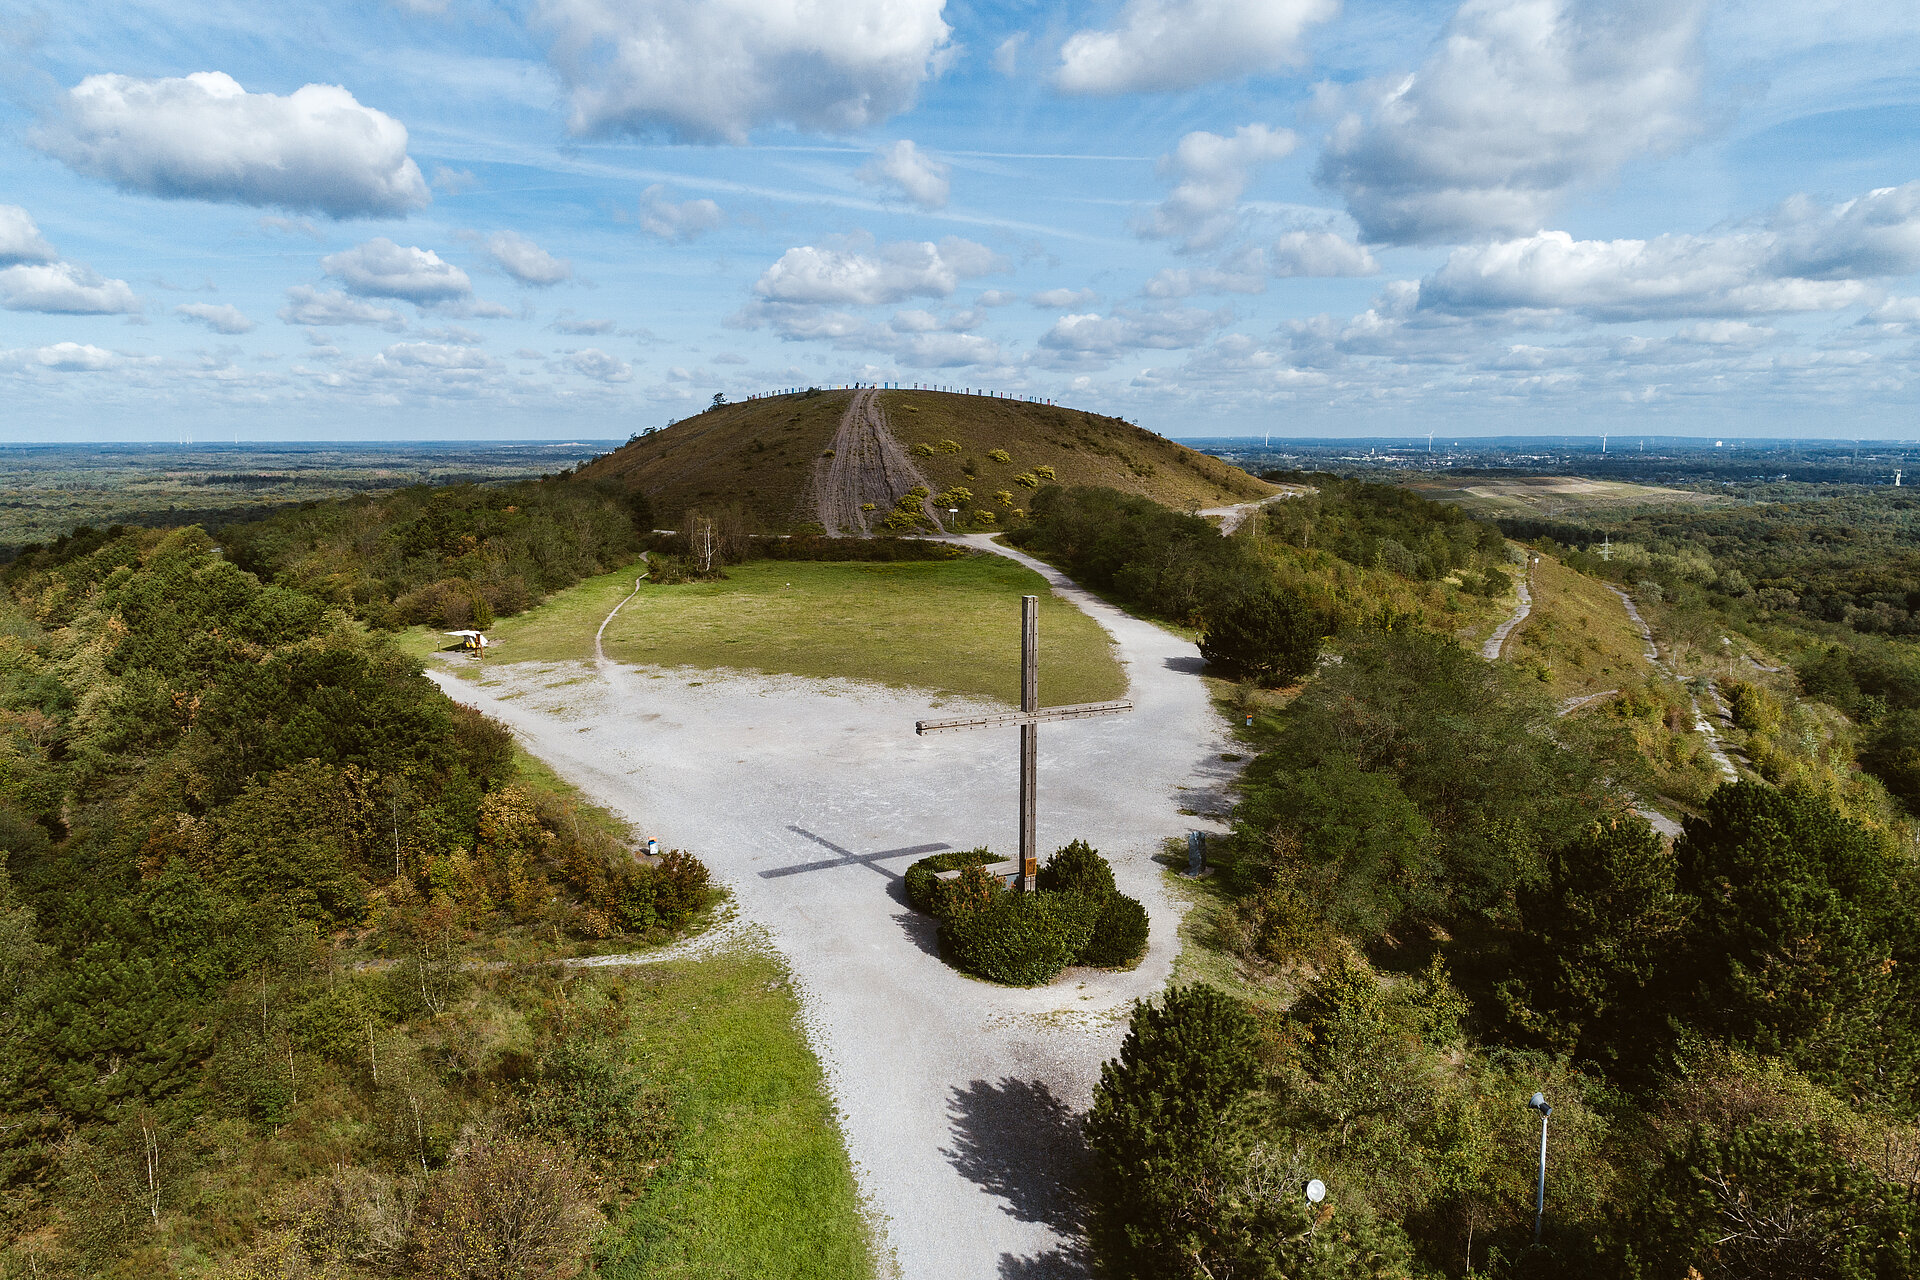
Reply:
x=1539, y=1103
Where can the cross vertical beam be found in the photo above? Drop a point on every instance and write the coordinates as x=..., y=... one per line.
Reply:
x=1029, y=742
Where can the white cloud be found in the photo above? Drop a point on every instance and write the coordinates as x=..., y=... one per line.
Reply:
x=712, y=70
x=727, y=357
x=61, y=357
x=454, y=182
x=598, y=365
x=919, y=177
x=1725, y=333
x=1801, y=257
x=526, y=261
x=1521, y=101
x=890, y=273
x=440, y=356
x=20, y=240
x=1179, y=282
x=1056, y=299
x=685, y=221
x=382, y=269
x=1319, y=253
x=1168, y=45
x=997, y=298
x=314, y=307
x=1211, y=173
x=1006, y=55
x=203, y=137
x=584, y=328
x=218, y=317
x=64, y=288
x=1123, y=330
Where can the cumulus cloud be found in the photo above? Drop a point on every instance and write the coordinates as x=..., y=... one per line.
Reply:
x=1319, y=253
x=203, y=137
x=1802, y=257
x=330, y=307
x=598, y=365
x=685, y=221
x=20, y=240
x=1210, y=174
x=382, y=269
x=438, y=356
x=582, y=328
x=1123, y=330
x=1179, y=282
x=889, y=273
x=917, y=175
x=64, y=288
x=218, y=317
x=712, y=70
x=1055, y=299
x=1521, y=101
x=526, y=261
x=1169, y=45
x=60, y=357
x=997, y=298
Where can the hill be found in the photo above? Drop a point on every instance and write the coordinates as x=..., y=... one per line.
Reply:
x=820, y=457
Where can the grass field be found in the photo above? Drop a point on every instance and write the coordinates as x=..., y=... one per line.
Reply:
x=1578, y=635
x=1556, y=497
x=950, y=625
x=759, y=1183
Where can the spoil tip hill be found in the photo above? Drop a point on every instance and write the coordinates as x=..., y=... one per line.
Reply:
x=820, y=458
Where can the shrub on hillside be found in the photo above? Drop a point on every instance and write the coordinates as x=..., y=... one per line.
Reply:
x=1267, y=636
x=1119, y=936
x=1020, y=939
x=1077, y=868
x=1024, y=939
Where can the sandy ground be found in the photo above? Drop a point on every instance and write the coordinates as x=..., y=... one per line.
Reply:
x=868, y=465
x=1491, y=649
x=960, y=1101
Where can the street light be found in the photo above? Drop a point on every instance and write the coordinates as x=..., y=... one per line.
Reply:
x=1539, y=1103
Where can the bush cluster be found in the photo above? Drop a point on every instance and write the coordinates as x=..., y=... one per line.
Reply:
x=1076, y=916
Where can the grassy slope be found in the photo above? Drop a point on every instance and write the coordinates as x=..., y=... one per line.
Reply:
x=760, y=454
x=760, y=1183
x=1082, y=448
x=1579, y=633
x=950, y=625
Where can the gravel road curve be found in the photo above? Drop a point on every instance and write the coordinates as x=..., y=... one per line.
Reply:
x=868, y=465
x=960, y=1101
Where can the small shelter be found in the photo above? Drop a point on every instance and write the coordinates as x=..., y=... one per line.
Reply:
x=472, y=641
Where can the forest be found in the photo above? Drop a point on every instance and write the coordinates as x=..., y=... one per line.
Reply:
x=264, y=897
x=1442, y=895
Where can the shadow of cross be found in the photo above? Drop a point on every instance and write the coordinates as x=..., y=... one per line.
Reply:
x=848, y=858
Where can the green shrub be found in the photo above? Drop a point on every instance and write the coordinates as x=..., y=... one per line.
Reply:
x=921, y=877
x=1021, y=939
x=1119, y=936
x=1077, y=868
x=1000, y=455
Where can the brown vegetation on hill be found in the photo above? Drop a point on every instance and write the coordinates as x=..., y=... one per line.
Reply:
x=760, y=456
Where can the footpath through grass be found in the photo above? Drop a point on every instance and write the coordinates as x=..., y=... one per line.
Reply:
x=759, y=1183
x=950, y=625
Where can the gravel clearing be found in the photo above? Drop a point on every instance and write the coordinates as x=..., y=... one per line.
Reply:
x=960, y=1101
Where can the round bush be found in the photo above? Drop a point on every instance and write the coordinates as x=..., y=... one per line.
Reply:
x=922, y=876
x=1077, y=868
x=1021, y=939
x=1119, y=936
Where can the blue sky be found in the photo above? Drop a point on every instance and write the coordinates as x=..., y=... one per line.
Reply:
x=579, y=218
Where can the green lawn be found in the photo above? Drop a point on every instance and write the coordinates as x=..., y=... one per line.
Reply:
x=759, y=1183
x=948, y=625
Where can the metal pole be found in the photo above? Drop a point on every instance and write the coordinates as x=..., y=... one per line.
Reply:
x=1029, y=739
x=1540, y=1192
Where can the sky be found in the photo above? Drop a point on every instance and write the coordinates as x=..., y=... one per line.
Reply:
x=419, y=219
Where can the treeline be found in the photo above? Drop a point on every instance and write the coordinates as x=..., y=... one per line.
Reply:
x=244, y=844
x=450, y=556
x=1440, y=897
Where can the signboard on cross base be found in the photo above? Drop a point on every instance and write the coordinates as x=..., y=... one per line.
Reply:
x=1029, y=717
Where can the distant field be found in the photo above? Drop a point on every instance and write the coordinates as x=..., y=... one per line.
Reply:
x=952, y=626
x=48, y=490
x=1555, y=497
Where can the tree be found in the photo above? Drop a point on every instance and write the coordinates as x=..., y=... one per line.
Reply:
x=1164, y=1117
x=719, y=398
x=505, y=1209
x=1267, y=636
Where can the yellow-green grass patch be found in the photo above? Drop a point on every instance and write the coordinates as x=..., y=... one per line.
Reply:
x=759, y=1183
x=1578, y=635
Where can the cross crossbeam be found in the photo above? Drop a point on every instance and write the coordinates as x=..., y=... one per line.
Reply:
x=1028, y=717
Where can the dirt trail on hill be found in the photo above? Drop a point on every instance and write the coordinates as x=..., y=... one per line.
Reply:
x=868, y=465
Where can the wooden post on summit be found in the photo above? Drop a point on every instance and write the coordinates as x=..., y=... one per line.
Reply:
x=1029, y=718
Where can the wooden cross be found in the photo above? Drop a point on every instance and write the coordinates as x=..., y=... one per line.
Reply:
x=1028, y=717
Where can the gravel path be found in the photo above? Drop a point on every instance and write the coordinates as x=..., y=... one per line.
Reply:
x=1715, y=749
x=1491, y=649
x=960, y=1101
x=868, y=465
